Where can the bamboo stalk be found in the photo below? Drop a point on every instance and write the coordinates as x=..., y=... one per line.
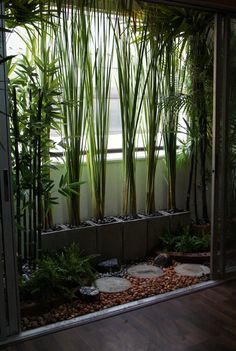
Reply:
x=39, y=180
x=31, y=199
x=17, y=173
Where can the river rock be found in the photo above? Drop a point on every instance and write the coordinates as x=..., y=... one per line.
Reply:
x=111, y=265
x=163, y=260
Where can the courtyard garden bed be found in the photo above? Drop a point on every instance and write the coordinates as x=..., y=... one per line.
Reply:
x=140, y=288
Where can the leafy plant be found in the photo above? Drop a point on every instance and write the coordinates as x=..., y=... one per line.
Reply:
x=25, y=12
x=34, y=112
x=185, y=240
x=188, y=243
x=78, y=269
x=57, y=274
x=201, y=89
x=173, y=86
x=192, y=30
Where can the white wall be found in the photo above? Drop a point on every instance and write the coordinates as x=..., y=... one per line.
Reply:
x=113, y=204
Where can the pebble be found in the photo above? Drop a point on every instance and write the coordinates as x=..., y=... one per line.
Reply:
x=140, y=288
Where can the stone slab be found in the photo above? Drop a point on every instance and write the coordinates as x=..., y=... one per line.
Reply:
x=112, y=284
x=192, y=269
x=145, y=271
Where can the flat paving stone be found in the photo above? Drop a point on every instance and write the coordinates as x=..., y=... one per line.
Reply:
x=145, y=271
x=112, y=284
x=192, y=269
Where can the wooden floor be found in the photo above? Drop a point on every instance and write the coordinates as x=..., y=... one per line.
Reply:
x=202, y=321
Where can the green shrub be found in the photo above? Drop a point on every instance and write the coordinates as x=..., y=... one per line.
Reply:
x=185, y=241
x=57, y=275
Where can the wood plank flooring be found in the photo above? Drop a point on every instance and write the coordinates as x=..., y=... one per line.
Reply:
x=202, y=321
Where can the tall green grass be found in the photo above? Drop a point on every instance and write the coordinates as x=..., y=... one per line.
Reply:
x=99, y=90
x=151, y=123
x=75, y=72
x=130, y=50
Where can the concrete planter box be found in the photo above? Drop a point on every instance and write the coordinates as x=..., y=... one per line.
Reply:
x=134, y=239
x=156, y=227
x=125, y=240
x=85, y=237
x=178, y=220
x=109, y=240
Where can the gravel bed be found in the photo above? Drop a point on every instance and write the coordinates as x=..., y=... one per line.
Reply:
x=140, y=288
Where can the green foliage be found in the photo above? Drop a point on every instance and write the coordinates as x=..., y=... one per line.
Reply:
x=185, y=241
x=99, y=116
x=132, y=87
x=151, y=123
x=160, y=52
x=57, y=274
x=72, y=46
x=30, y=13
x=34, y=110
x=77, y=269
x=24, y=12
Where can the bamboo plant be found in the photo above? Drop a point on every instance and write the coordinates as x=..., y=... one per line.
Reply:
x=35, y=111
x=201, y=79
x=39, y=46
x=26, y=131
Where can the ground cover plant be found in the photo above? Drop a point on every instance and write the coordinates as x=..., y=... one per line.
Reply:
x=185, y=240
x=57, y=275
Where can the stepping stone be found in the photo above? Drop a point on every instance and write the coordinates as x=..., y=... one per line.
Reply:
x=192, y=269
x=145, y=271
x=112, y=284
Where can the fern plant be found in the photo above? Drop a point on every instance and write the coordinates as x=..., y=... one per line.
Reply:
x=57, y=274
x=185, y=241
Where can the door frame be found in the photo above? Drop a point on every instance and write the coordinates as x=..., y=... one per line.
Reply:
x=9, y=299
x=219, y=149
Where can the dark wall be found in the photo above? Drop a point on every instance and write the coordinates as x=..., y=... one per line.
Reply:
x=228, y=5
